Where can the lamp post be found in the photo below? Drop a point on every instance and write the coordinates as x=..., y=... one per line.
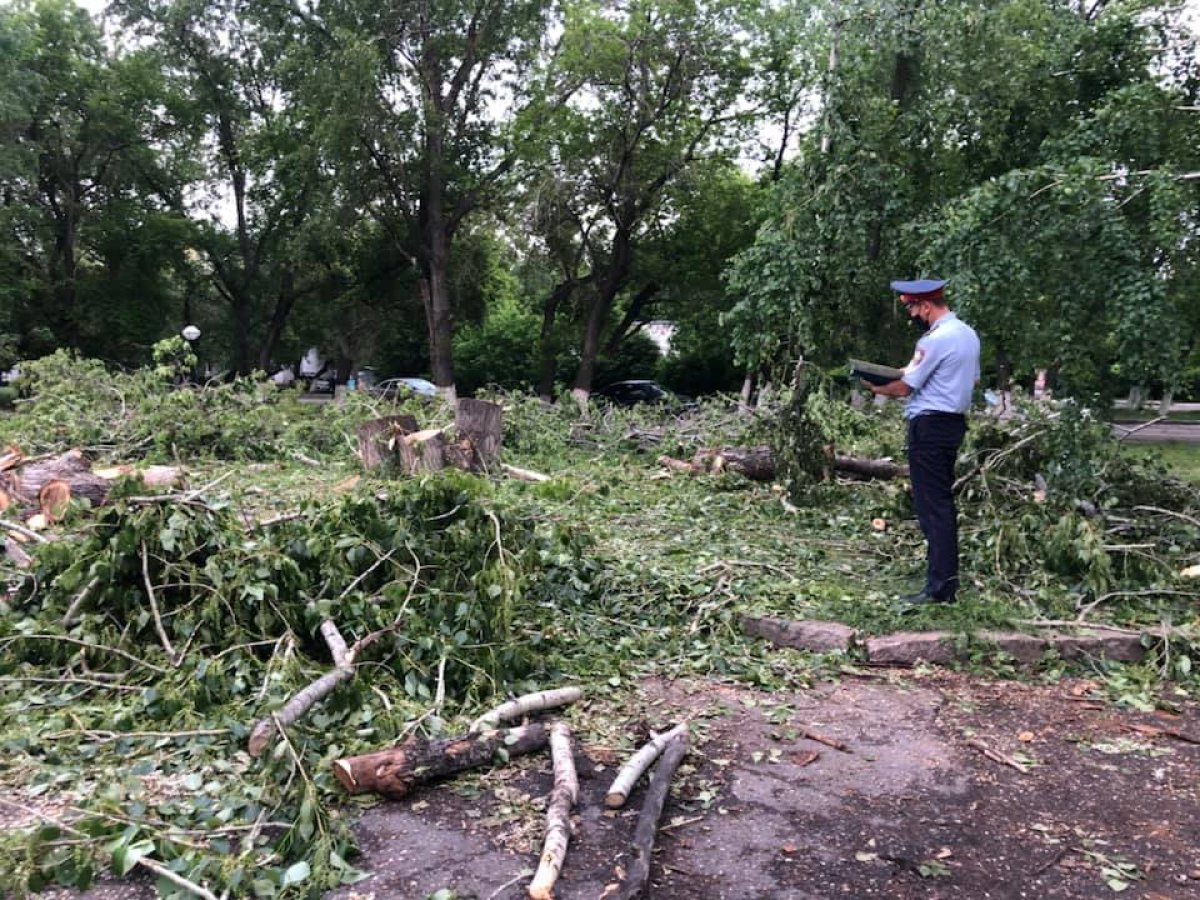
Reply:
x=191, y=334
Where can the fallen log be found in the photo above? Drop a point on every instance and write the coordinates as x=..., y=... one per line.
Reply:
x=869, y=468
x=523, y=705
x=758, y=464
x=623, y=784
x=558, y=814
x=395, y=771
x=71, y=468
x=644, y=833
x=523, y=474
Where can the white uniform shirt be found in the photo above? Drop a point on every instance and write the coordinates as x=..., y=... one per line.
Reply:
x=944, y=369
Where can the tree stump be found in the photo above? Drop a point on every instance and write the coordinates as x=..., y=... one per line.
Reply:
x=378, y=438
x=478, y=427
x=423, y=451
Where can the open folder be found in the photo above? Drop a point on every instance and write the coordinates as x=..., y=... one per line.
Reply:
x=873, y=372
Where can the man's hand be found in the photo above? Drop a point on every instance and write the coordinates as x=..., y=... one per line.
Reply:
x=895, y=388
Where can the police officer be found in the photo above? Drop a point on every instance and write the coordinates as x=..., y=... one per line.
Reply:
x=937, y=385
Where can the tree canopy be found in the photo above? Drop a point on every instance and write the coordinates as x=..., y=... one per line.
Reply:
x=528, y=184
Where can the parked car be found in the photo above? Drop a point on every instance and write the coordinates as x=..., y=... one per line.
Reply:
x=398, y=388
x=631, y=393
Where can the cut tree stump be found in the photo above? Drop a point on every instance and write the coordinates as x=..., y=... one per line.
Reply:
x=377, y=438
x=422, y=451
x=478, y=427
x=394, y=772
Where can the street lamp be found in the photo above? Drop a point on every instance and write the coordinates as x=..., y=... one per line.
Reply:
x=191, y=334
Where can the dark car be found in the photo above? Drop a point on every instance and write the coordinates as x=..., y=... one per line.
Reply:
x=631, y=393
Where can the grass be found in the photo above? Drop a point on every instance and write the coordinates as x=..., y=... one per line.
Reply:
x=1182, y=458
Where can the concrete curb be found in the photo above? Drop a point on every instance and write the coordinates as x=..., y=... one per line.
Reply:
x=907, y=648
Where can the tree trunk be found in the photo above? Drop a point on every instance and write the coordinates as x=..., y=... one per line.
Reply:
x=546, y=343
x=279, y=316
x=758, y=464
x=614, y=280
x=394, y=772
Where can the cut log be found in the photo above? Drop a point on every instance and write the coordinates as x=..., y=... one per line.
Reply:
x=638, y=763
x=152, y=476
x=758, y=464
x=638, y=875
x=395, y=771
x=523, y=705
x=377, y=438
x=755, y=463
x=558, y=814
x=523, y=474
x=869, y=468
x=71, y=468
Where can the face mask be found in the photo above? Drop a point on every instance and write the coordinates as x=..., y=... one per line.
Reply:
x=919, y=323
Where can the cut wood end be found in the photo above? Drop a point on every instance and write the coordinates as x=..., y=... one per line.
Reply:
x=541, y=892
x=344, y=774
x=615, y=800
x=54, y=499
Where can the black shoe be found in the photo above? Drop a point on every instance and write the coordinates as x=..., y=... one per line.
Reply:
x=924, y=598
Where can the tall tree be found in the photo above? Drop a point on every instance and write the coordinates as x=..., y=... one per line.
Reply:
x=80, y=127
x=417, y=122
x=259, y=183
x=660, y=85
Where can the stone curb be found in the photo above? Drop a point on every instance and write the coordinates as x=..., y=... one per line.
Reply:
x=812, y=635
x=907, y=648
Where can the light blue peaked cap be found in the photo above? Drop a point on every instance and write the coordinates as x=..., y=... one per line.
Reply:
x=916, y=288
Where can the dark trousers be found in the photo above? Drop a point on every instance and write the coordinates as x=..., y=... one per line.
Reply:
x=933, y=442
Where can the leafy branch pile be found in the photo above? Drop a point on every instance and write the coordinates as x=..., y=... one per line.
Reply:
x=147, y=648
x=1058, y=514
x=72, y=402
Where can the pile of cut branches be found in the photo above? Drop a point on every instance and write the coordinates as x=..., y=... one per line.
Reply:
x=150, y=645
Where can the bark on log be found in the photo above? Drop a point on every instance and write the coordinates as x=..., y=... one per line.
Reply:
x=758, y=464
x=638, y=873
x=755, y=463
x=394, y=772
x=70, y=467
x=558, y=814
x=870, y=468
x=523, y=705
x=523, y=474
x=377, y=438
x=638, y=763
